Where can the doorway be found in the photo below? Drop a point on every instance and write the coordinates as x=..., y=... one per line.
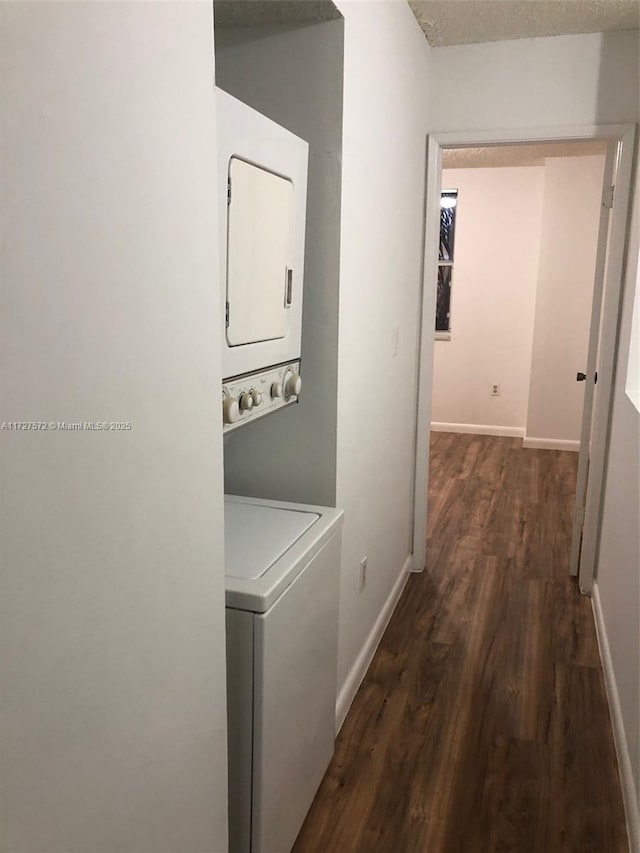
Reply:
x=620, y=141
x=519, y=227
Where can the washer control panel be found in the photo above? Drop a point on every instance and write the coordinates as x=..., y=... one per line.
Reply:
x=249, y=397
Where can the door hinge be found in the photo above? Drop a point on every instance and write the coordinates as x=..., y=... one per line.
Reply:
x=579, y=520
x=228, y=190
x=226, y=314
x=607, y=197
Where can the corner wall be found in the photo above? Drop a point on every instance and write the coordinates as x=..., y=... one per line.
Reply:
x=495, y=271
x=113, y=731
x=564, y=296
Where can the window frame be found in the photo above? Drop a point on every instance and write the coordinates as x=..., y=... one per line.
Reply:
x=445, y=334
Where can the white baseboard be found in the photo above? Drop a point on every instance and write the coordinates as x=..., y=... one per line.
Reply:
x=479, y=429
x=629, y=794
x=359, y=669
x=551, y=443
x=512, y=432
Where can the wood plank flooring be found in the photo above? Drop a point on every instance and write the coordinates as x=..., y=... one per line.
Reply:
x=482, y=723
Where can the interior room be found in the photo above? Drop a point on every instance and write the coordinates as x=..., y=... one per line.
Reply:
x=526, y=234
x=295, y=554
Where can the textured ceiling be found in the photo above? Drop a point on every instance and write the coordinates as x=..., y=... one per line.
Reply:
x=516, y=155
x=256, y=13
x=447, y=22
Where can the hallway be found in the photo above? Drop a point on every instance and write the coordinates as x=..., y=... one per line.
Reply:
x=482, y=723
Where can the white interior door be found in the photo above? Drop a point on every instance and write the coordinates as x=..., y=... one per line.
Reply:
x=260, y=251
x=589, y=482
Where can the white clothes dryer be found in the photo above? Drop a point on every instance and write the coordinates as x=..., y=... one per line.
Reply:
x=282, y=576
x=262, y=175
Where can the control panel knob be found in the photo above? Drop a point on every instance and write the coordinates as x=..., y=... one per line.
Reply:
x=246, y=402
x=256, y=396
x=292, y=385
x=276, y=390
x=230, y=410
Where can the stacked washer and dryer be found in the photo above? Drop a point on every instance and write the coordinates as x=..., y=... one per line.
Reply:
x=282, y=559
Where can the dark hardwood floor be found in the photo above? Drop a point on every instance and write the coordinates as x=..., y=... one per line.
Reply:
x=482, y=723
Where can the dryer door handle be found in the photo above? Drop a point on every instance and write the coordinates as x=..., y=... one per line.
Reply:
x=288, y=287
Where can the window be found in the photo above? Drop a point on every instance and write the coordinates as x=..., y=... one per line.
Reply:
x=448, y=204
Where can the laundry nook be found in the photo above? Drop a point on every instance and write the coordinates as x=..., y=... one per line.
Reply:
x=282, y=559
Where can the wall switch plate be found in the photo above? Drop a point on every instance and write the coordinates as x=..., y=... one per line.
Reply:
x=495, y=390
x=363, y=573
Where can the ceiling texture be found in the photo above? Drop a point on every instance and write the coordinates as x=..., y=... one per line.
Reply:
x=449, y=22
x=517, y=155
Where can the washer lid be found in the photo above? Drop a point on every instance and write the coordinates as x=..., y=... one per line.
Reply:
x=256, y=536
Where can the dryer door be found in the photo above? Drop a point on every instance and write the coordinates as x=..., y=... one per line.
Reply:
x=260, y=253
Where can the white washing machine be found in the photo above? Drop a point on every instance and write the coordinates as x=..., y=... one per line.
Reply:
x=282, y=577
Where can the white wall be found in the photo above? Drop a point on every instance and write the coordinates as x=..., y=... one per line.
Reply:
x=542, y=82
x=632, y=386
x=294, y=76
x=570, y=218
x=386, y=89
x=618, y=579
x=113, y=675
x=495, y=272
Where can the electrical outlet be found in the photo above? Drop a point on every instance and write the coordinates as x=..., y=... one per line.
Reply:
x=495, y=390
x=363, y=573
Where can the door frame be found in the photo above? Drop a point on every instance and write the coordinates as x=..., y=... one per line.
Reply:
x=436, y=142
x=590, y=367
